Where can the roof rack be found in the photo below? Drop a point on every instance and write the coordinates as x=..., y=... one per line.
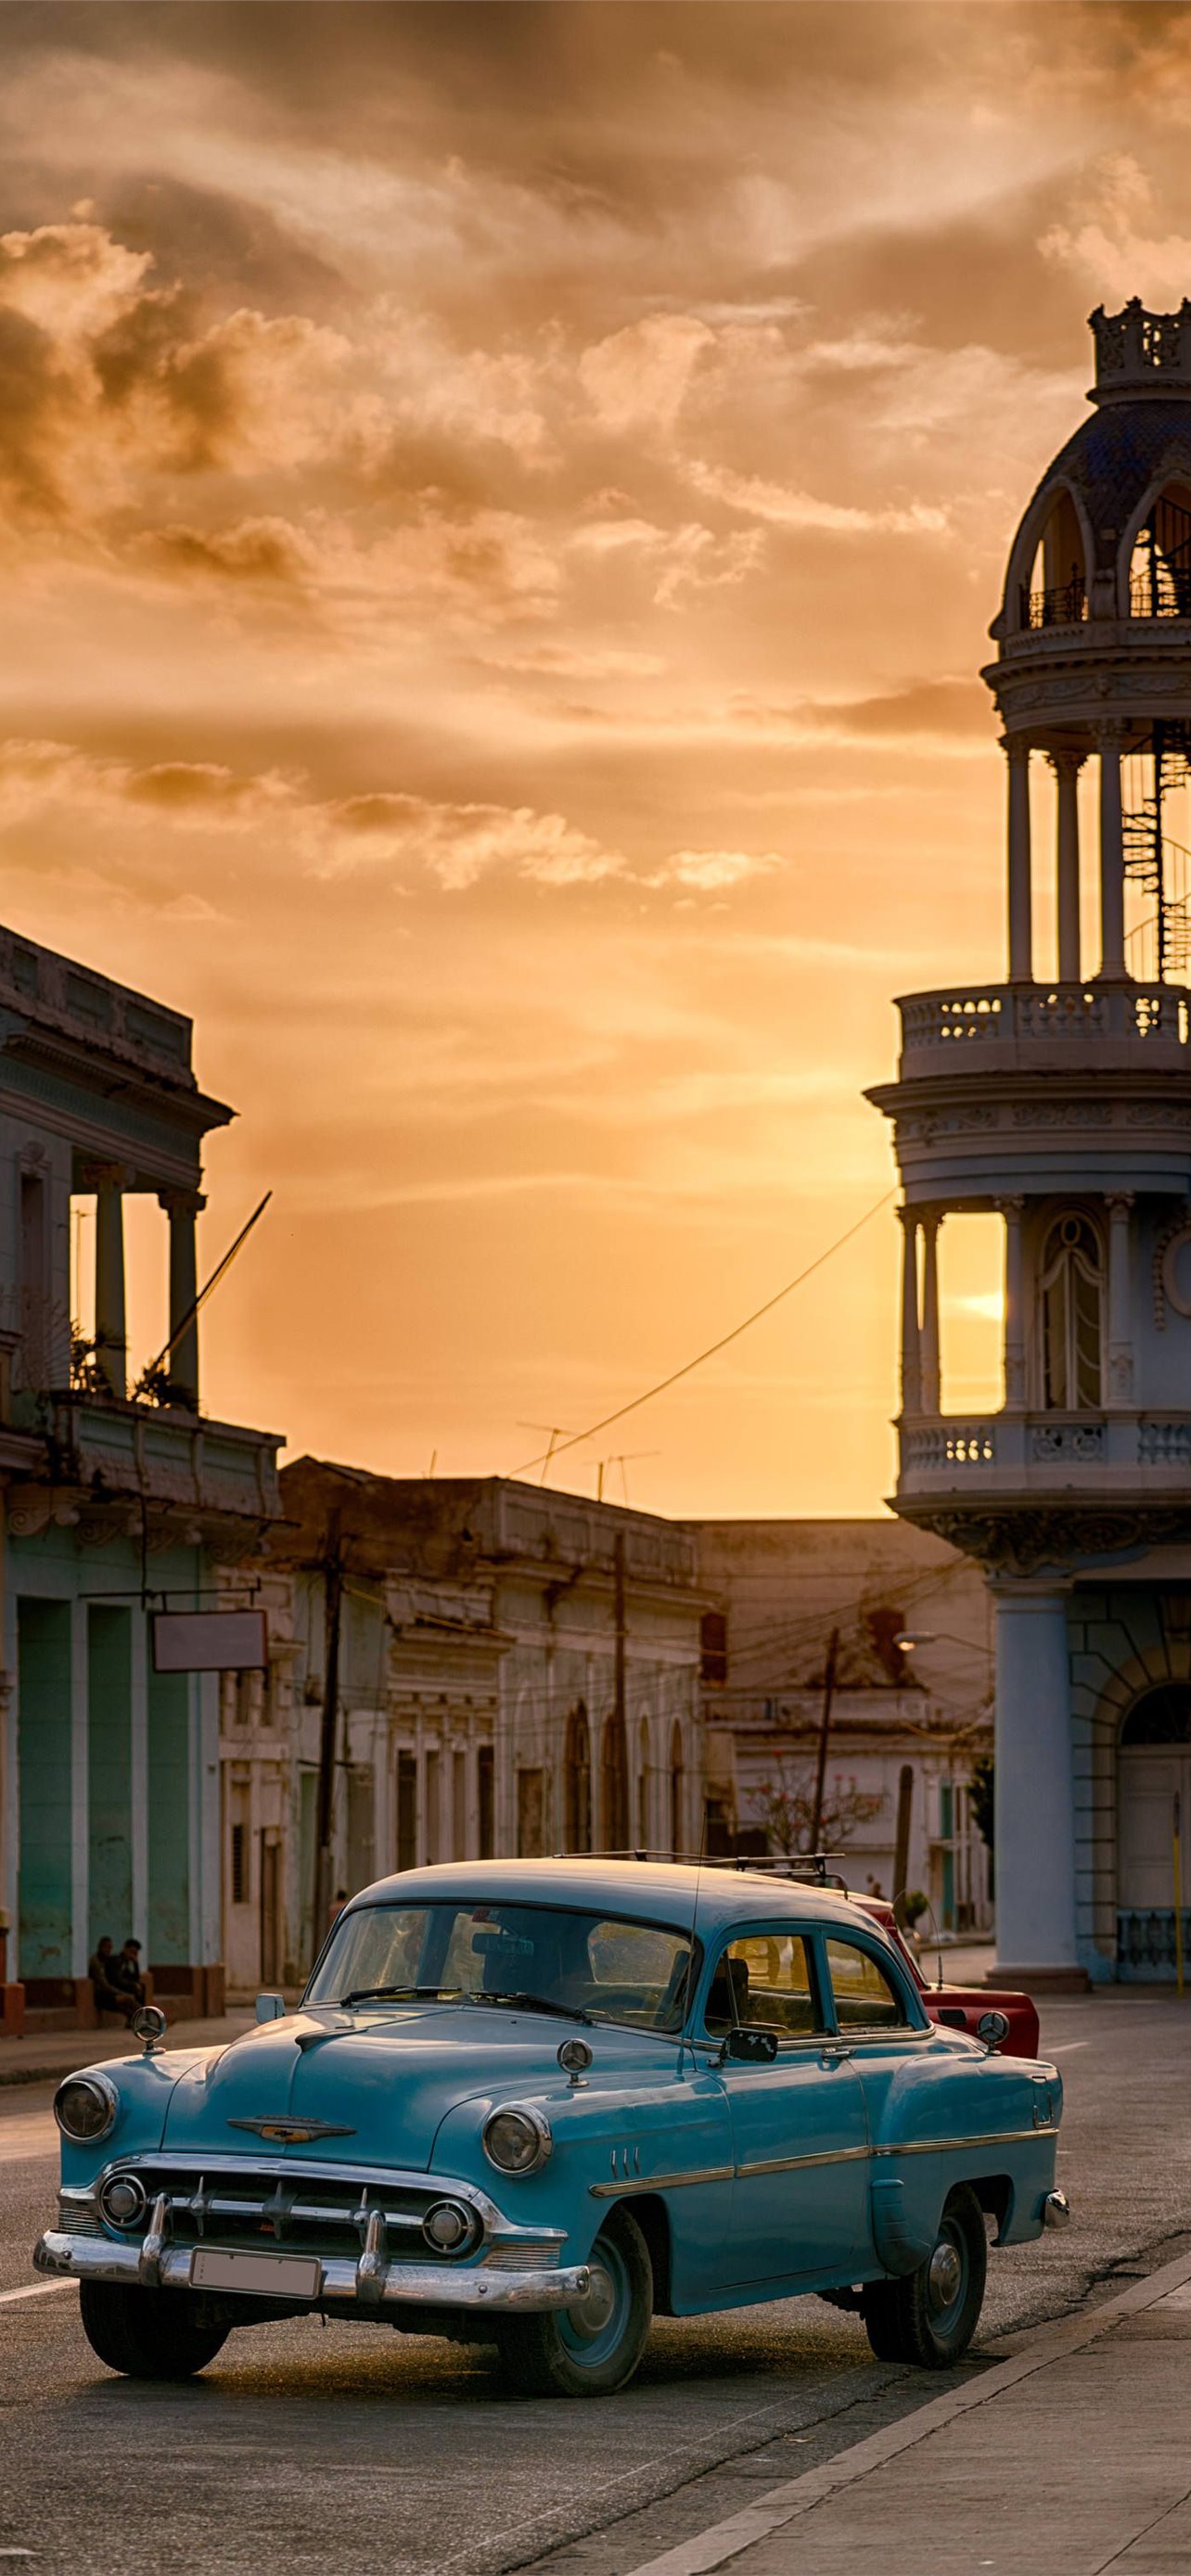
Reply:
x=806, y=1866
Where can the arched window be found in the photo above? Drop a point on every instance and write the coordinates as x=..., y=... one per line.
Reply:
x=676, y=1789
x=577, y=1782
x=1160, y=567
x=615, y=1786
x=1054, y=591
x=1160, y=1716
x=1071, y=1300
x=643, y=1815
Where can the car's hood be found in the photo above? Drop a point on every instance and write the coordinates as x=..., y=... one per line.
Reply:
x=387, y=2077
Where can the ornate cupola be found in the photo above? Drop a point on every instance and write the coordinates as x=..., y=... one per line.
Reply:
x=1059, y=1099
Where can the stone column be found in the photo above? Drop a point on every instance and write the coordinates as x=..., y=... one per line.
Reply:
x=1021, y=948
x=929, y=1346
x=1067, y=766
x=111, y=1324
x=1015, y=1306
x=1119, y=1389
x=1035, y=1797
x=911, y=1349
x=1112, y=854
x=183, y=1208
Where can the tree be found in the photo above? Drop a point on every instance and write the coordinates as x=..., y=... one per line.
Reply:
x=785, y=1806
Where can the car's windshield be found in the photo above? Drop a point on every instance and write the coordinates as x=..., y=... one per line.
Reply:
x=582, y=1964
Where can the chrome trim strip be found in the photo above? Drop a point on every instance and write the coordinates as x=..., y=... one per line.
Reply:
x=793, y=2164
x=422, y=2285
x=957, y=2146
x=660, y=2182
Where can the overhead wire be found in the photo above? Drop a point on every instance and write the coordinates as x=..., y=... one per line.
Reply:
x=576, y=1439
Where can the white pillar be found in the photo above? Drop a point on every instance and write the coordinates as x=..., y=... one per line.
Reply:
x=182, y=1208
x=929, y=1346
x=1067, y=765
x=1035, y=1798
x=1112, y=855
x=911, y=1352
x=1017, y=754
x=111, y=1327
x=1119, y=1390
x=1015, y=1306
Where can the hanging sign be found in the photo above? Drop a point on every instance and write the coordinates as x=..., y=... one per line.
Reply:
x=210, y=1641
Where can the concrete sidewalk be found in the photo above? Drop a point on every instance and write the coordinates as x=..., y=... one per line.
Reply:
x=1072, y=2454
x=46, y=2056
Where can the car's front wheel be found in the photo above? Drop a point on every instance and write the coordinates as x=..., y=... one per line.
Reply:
x=593, y=2348
x=147, y=2334
x=932, y=2315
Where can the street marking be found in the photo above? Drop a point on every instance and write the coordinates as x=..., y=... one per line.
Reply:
x=1066, y=2046
x=784, y=2504
x=36, y=2290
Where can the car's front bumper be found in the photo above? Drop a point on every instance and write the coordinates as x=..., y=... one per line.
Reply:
x=471, y=2288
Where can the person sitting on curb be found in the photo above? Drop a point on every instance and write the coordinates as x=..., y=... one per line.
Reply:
x=103, y=1970
x=126, y=1973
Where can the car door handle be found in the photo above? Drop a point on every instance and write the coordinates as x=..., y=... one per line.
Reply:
x=833, y=2055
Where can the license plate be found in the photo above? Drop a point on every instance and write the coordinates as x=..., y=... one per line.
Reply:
x=272, y=2276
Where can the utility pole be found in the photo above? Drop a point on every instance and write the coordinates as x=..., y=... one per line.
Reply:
x=328, y=1739
x=824, y=1734
x=621, y=1822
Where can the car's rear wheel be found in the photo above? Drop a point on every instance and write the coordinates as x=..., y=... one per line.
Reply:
x=593, y=2348
x=147, y=2334
x=932, y=2315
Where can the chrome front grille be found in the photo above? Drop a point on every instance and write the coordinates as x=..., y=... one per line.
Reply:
x=269, y=2209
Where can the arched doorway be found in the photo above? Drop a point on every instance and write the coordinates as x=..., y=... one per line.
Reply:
x=1153, y=1771
x=1071, y=1299
x=577, y=1782
x=614, y=1786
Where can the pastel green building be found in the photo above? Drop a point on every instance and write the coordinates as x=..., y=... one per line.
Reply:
x=116, y=1502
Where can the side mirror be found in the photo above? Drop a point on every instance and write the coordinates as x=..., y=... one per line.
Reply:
x=752, y=2045
x=149, y=2023
x=992, y=2028
x=272, y=2008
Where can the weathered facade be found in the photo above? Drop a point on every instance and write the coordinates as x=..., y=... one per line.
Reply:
x=910, y=1703
x=1058, y=1105
x=109, y=1779
x=518, y=1672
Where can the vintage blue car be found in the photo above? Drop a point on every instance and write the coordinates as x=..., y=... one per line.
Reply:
x=528, y=2103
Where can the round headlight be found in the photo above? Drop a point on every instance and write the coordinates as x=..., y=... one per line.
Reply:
x=447, y=2226
x=517, y=2142
x=123, y=2200
x=85, y=2108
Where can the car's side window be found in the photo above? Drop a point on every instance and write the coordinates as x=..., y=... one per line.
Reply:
x=865, y=1997
x=766, y=1980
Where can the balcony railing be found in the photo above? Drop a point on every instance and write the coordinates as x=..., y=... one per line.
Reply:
x=112, y=1450
x=1064, y=604
x=1011, y=1026
x=1045, y=1454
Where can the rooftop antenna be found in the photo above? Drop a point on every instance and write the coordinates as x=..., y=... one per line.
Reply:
x=183, y=1326
x=557, y=1432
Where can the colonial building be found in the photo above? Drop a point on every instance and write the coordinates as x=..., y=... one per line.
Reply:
x=888, y=1632
x=114, y=1502
x=515, y=1671
x=1058, y=1104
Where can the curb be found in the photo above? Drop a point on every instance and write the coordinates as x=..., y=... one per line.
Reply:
x=723, y=2541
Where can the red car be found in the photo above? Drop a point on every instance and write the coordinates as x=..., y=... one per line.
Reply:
x=961, y=2006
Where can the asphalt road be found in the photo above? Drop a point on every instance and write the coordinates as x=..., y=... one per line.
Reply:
x=307, y=2447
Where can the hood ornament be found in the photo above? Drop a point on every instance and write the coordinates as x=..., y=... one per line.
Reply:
x=283, y=2132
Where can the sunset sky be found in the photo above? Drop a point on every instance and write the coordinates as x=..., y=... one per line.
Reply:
x=501, y=510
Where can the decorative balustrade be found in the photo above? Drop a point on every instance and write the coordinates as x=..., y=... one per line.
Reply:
x=1145, y=1943
x=1044, y=1453
x=1028, y=1022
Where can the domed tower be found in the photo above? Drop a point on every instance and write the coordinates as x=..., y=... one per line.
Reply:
x=1060, y=1099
